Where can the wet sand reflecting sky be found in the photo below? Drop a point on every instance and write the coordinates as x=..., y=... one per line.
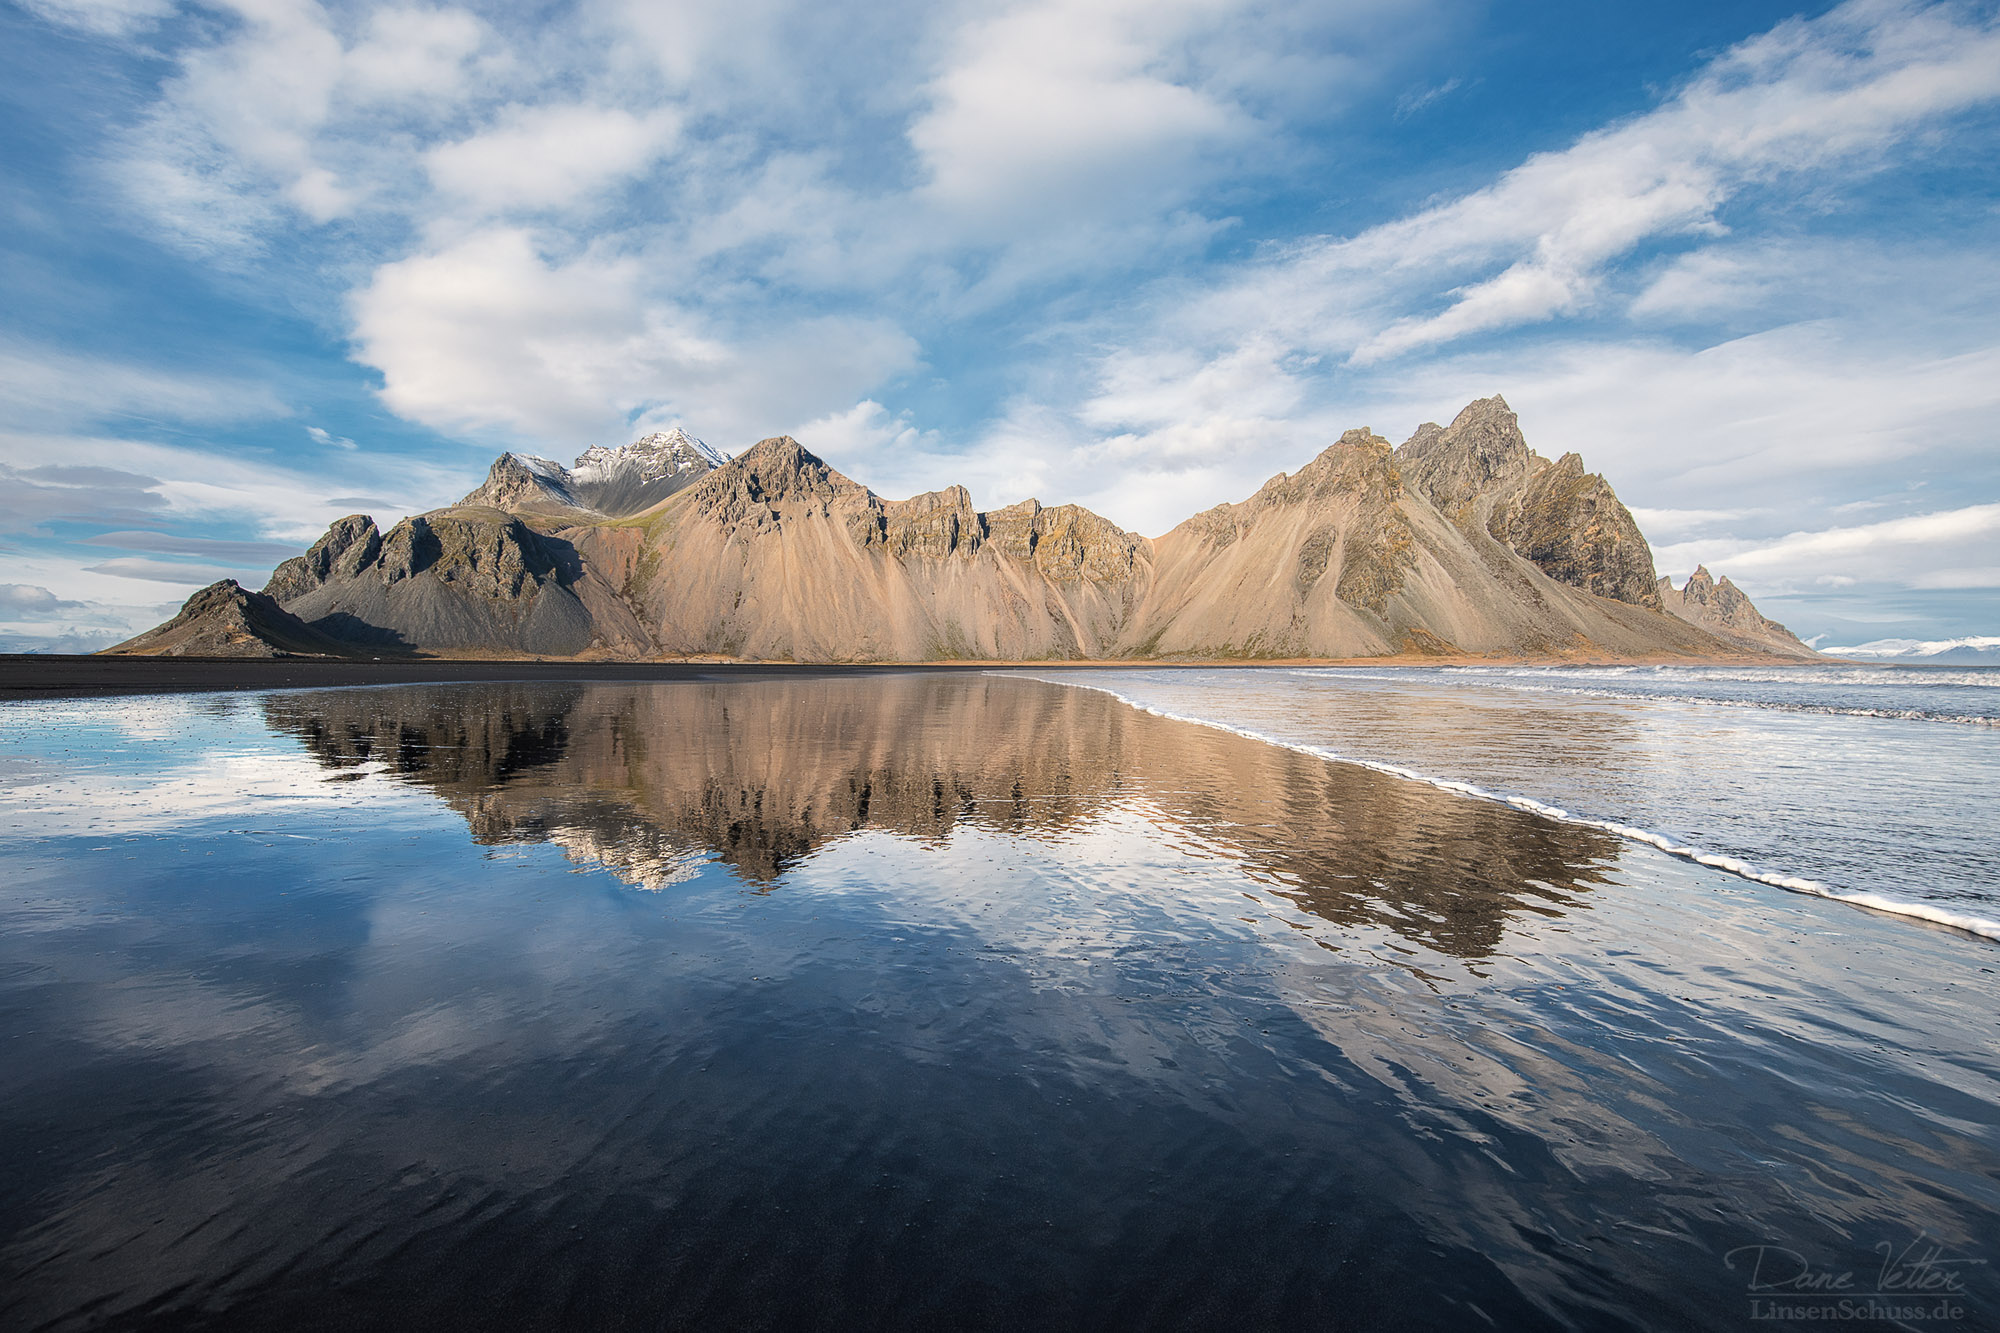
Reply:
x=910, y=1000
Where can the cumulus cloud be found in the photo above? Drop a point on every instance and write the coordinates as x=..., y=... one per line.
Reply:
x=22, y=601
x=37, y=639
x=544, y=157
x=419, y=55
x=490, y=335
x=1044, y=103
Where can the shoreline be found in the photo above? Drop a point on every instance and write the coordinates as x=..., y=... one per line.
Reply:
x=53, y=676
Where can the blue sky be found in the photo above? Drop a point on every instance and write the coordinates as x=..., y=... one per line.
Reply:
x=267, y=262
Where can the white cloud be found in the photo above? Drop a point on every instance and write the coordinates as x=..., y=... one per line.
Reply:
x=248, y=109
x=282, y=120
x=1955, y=548
x=112, y=481
x=550, y=156
x=165, y=571
x=864, y=435
x=44, y=386
x=1706, y=283
x=1807, y=103
x=245, y=554
x=1048, y=105
x=488, y=335
x=21, y=601
x=418, y=55
x=110, y=18
x=319, y=435
x=1418, y=100
x=1658, y=523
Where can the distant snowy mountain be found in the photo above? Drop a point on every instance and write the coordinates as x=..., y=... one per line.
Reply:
x=655, y=456
x=614, y=483
x=637, y=476
x=1979, y=651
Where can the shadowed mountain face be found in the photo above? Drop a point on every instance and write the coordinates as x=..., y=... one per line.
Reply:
x=1461, y=541
x=1480, y=473
x=650, y=780
x=226, y=620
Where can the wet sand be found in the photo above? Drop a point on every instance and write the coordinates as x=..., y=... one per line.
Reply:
x=920, y=999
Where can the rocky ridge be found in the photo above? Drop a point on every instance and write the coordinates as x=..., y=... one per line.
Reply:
x=226, y=619
x=612, y=483
x=1722, y=608
x=1460, y=541
x=1480, y=473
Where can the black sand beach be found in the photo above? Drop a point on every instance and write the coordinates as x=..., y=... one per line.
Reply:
x=47, y=676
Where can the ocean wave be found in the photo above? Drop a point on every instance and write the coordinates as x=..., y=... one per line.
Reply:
x=1982, y=927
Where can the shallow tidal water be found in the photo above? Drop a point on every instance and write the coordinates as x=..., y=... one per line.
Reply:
x=928, y=1000
x=1879, y=783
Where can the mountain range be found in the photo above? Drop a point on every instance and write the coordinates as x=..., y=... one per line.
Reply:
x=1981, y=650
x=1460, y=541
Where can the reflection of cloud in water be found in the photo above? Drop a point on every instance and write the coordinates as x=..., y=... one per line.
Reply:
x=1038, y=990
x=648, y=781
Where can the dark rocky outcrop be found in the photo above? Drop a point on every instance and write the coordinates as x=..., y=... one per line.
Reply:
x=227, y=620
x=1480, y=473
x=1572, y=526
x=456, y=582
x=349, y=546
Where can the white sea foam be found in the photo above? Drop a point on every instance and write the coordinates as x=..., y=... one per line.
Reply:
x=1984, y=927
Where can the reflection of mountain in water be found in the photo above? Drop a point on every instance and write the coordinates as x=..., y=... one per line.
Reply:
x=651, y=780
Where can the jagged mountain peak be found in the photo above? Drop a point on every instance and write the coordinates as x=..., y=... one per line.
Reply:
x=1722, y=608
x=660, y=454
x=607, y=482
x=1461, y=540
x=774, y=469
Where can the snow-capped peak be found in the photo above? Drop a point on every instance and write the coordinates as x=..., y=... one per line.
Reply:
x=543, y=467
x=661, y=454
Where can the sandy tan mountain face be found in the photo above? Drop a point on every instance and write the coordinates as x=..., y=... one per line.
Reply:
x=1350, y=557
x=776, y=555
x=228, y=620
x=650, y=781
x=1462, y=541
x=1721, y=608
